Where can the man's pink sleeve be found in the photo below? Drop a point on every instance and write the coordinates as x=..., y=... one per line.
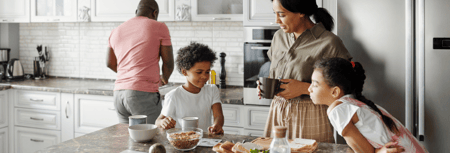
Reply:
x=165, y=35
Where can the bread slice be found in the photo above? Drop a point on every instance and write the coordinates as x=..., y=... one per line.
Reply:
x=238, y=148
x=216, y=147
x=227, y=145
x=303, y=145
x=245, y=147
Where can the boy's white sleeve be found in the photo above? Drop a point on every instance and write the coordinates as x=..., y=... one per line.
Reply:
x=216, y=95
x=169, y=105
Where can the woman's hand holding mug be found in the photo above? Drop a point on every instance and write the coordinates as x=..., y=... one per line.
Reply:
x=293, y=88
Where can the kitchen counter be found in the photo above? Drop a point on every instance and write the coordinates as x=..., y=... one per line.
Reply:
x=231, y=95
x=115, y=139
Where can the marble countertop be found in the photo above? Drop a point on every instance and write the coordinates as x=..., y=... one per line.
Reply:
x=230, y=95
x=116, y=139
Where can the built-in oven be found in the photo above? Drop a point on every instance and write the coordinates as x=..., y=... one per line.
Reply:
x=256, y=62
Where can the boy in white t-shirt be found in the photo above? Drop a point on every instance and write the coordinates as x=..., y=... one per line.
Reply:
x=194, y=98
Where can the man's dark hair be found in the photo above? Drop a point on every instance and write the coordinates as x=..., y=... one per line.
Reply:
x=146, y=7
x=193, y=53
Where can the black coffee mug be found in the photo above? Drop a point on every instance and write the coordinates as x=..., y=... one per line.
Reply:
x=269, y=87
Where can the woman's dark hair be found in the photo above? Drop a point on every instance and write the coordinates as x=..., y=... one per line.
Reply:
x=340, y=72
x=309, y=7
x=193, y=53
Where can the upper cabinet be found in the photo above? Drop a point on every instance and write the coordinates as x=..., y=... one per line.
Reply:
x=14, y=11
x=260, y=13
x=53, y=10
x=216, y=10
x=166, y=10
x=113, y=10
x=121, y=10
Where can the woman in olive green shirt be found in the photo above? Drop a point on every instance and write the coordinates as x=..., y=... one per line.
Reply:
x=295, y=48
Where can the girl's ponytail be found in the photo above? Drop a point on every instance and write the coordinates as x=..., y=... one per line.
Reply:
x=322, y=15
x=358, y=83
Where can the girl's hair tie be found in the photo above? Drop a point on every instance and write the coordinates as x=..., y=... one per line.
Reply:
x=353, y=64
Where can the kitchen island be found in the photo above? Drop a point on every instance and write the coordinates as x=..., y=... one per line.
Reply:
x=115, y=139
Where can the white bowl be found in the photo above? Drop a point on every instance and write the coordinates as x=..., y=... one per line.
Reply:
x=142, y=132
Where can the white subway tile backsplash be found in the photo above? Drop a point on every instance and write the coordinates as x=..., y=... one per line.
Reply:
x=79, y=49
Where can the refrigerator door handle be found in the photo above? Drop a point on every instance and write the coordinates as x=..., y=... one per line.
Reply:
x=421, y=50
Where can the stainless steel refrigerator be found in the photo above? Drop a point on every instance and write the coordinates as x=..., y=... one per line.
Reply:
x=393, y=39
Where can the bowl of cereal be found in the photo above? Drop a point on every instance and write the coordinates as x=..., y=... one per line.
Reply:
x=184, y=139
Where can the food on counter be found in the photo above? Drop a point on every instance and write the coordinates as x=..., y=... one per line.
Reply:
x=184, y=140
x=303, y=145
x=157, y=148
x=245, y=147
x=229, y=147
x=297, y=144
x=223, y=147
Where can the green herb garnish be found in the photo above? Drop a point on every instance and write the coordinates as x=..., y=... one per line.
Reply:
x=258, y=151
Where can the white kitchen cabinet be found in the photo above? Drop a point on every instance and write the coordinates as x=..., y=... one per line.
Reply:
x=67, y=117
x=232, y=115
x=28, y=140
x=120, y=10
x=233, y=130
x=255, y=117
x=253, y=133
x=54, y=10
x=43, y=119
x=166, y=10
x=14, y=11
x=260, y=13
x=94, y=112
x=4, y=109
x=216, y=10
x=4, y=140
x=37, y=99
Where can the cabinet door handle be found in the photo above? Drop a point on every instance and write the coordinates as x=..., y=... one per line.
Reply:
x=37, y=119
x=67, y=116
x=37, y=100
x=113, y=109
x=263, y=48
x=221, y=18
x=5, y=20
x=271, y=23
x=36, y=140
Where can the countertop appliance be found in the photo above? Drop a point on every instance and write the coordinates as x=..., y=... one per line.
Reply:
x=14, y=70
x=256, y=63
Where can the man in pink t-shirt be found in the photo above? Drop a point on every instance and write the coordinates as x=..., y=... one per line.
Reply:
x=134, y=50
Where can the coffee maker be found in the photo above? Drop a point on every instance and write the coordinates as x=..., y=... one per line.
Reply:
x=4, y=59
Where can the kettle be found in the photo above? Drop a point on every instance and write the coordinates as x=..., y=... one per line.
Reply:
x=14, y=70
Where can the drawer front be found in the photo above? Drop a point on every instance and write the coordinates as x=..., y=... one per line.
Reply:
x=93, y=113
x=44, y=119
x=232, y=115
x=37, y=99
x=253, y=133
x=4, y=140
x=30, y=140
x=233, y=130
x=256, y=117
x=3, y=109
